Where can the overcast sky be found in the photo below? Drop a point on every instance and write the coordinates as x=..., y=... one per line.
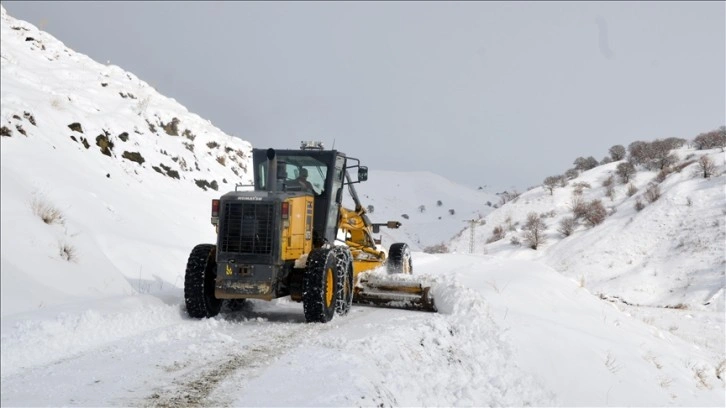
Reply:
x=483, y=93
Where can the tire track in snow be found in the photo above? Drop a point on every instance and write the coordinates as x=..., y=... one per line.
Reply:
x=196, y=389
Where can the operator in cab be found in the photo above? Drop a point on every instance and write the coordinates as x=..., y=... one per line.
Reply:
x=302, y=181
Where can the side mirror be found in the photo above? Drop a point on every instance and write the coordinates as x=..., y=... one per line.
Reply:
x=362, y=173
x=393, y=224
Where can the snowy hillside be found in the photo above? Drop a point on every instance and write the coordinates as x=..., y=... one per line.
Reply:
x=92, y=146
x=657, y=255
x=431, y=208
x=668, y=253
x=103, y=194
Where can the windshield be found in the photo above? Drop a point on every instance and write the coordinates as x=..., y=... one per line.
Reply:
x=293, y=167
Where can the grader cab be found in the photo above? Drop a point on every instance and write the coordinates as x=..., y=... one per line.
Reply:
x=282, y=239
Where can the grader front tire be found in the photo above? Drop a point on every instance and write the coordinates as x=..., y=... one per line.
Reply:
x=319, y=286
x=399, y=259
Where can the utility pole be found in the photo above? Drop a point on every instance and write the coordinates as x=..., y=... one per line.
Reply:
x=472, y=228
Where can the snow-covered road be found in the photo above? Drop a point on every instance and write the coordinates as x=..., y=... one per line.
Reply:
x=495, y=342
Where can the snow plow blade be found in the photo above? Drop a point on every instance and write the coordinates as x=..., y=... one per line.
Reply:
x=401, y=294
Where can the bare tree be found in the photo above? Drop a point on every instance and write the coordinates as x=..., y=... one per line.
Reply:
x=660, y=155
x=567, y=226
x=706, y=166
x=617, y=152
x=551, y=182
x=534, y=230
x=584, y=164
x=639, y=152
x=572, y=174
x=596, y=213
x=712, y=139
x=625, y=171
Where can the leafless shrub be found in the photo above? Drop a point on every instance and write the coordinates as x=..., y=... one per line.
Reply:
x=548, y=214
x=652, y=193
x=515, y=241
x=680, y=166
x=625, y=171
x=212, y=145
x=689, y=202
x=639, y=204
x=678, y=306
x=567, y=226
x=611, y=363
x=498, y=233
x=632, y=189
x=595, y=214
x=67, y=252
x=663, y=174
x=534, y=230
x=47, y=212
x=699, y=373
x=507, y=196
x=578, y=206
x=610, y=192
x=189, y=135
x=608, y=181
x=579, y=187
x=436, y=249
x=706, y=166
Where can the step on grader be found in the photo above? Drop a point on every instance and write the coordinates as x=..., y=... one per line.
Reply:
x=292, y=236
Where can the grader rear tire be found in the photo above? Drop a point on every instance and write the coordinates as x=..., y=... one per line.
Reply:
x=199, y=282
x=319, y=286
x=399, y=259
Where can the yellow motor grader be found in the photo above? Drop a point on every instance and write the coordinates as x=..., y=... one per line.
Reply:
x=291, y=238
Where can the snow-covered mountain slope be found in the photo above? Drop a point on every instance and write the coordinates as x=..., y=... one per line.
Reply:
x=430, y=208
x=92, y=147
x=669, y=253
